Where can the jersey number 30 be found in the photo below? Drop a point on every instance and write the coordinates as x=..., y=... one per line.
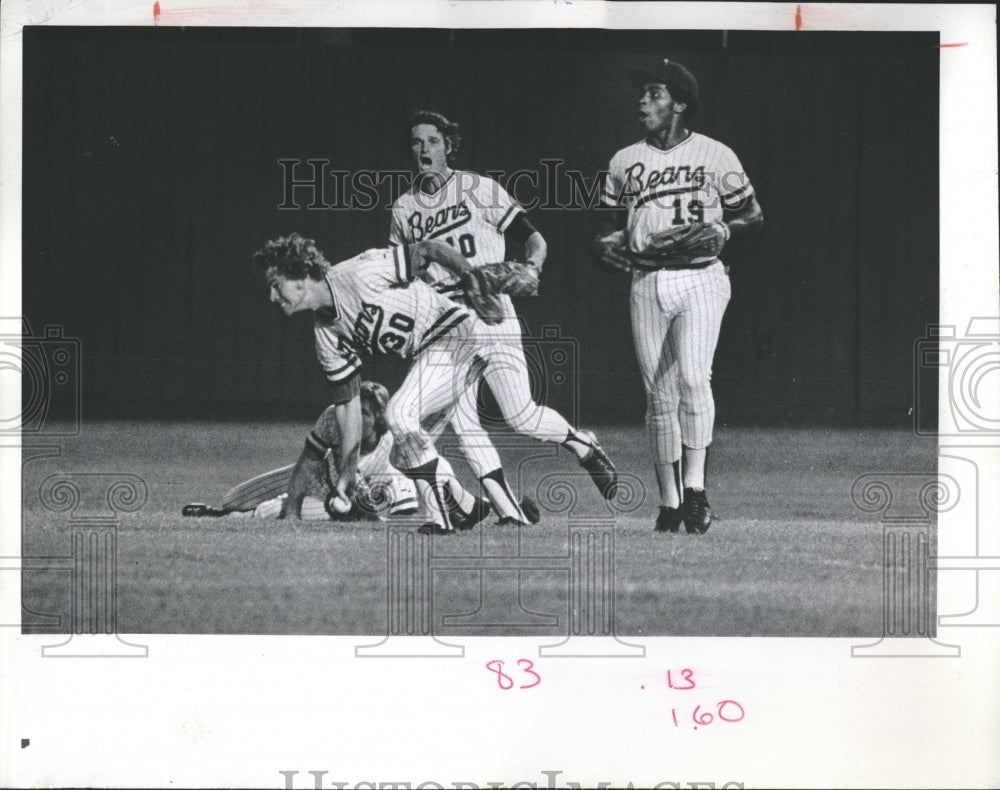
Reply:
x=394, y=341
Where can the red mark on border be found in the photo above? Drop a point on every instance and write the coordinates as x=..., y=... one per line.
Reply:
x=156, y=12
x=798, y=17
x=962, y=44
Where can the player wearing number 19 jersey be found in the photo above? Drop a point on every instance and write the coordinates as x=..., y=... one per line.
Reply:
x=473, y=214
x=675, y=179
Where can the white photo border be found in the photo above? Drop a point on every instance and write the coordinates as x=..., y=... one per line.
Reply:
x=268, y=711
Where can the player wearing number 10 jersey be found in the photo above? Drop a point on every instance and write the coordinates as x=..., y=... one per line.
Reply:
x=473, y=214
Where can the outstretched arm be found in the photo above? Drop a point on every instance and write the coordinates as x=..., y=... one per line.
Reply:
x=342, y=433
x=423, y=253
x=348, y=419
x=535, y=249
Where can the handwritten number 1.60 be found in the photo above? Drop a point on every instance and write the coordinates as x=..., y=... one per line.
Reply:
x=506, y=682
x=728, y=710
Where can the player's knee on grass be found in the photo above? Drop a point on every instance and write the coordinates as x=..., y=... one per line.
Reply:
x=270, y=508
x=314, y=509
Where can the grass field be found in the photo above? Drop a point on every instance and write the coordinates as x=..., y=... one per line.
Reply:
x=789, y=553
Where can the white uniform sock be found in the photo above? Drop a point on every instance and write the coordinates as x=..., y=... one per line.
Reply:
x=694, y=467
x=668, y=477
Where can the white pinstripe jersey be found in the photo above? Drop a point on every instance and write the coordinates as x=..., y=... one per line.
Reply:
x=379, y=308
x=377, y=461
x=470, y=211
x=325, y=435
x=665, y=190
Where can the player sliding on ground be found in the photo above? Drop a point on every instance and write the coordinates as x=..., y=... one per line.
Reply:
x=381, y=490
x=373, y=303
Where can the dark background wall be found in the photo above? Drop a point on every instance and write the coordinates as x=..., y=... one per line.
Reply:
x=151, y=175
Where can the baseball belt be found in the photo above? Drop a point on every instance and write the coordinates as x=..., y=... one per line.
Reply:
x=654, y=263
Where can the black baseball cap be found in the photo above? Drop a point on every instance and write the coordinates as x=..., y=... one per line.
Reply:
x=679, y=81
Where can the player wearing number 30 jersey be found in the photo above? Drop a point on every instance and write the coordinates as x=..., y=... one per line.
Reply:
x=372, y=304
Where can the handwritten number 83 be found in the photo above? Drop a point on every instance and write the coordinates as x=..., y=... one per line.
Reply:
x=506, y=682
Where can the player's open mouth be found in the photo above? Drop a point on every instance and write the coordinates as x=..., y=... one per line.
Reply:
x=426, y=161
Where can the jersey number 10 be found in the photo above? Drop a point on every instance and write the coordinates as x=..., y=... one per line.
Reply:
x=466, y=244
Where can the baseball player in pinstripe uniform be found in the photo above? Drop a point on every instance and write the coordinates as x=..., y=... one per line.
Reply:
x=372, y=303
x=473, y=214
x=679, y=195
x=382, y=491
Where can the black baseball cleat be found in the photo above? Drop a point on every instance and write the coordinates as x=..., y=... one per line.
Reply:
x=601, y=470
x=201, y=510
x=668, y=520
x=480, y=510
x=530, y=509
x=531, y=512
x=697, y=513
x=430, y=528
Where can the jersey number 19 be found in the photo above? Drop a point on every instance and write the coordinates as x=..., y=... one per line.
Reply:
x=695, y=212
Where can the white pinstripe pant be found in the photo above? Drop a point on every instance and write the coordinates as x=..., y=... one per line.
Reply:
x=676, y=317
x=442, y=380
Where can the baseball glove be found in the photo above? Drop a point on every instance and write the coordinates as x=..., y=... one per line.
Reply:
x=699, y=240
x=513, y=278
x=487, y=305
